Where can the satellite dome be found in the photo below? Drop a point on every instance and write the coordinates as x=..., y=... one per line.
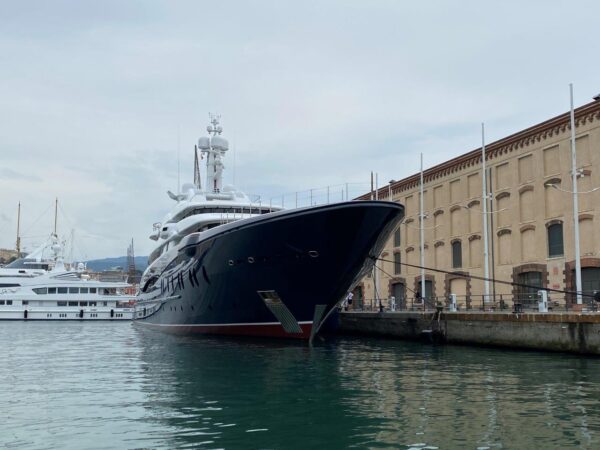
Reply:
x=204, y=143
x=219, y=143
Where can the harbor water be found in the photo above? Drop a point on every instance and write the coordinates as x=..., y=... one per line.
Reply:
x=108, y=385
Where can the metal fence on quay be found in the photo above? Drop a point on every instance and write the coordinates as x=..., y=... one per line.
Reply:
x=478, y=303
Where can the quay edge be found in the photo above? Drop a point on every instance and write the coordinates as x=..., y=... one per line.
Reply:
x=560, y=332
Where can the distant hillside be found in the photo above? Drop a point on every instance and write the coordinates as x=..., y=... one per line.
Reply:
x=98, y=265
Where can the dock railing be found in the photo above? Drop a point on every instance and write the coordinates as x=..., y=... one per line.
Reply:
x=479, y=303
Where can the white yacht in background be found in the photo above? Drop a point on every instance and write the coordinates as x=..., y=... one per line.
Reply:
x=39, y=287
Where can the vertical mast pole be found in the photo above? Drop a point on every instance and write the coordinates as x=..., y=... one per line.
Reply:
x=178, y=161
x=484, y=200
x=422, y=234
x=55, y=214
x=575, y=203
x=19, y=231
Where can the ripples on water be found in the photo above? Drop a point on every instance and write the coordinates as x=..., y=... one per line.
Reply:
x=115, y=385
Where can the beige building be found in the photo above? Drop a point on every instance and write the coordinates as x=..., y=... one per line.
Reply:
x=7, y=255
x=530, y=219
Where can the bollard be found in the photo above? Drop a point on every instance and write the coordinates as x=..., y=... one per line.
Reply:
x=452, y=307
x=543, y=303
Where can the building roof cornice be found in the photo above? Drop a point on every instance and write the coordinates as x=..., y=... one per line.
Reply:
x=587, y=113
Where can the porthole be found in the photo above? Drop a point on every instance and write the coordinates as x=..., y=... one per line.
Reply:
x=231, y=263
x=250, y=259
x=313, y=254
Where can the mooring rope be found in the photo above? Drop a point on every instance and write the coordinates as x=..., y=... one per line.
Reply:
x=494, y=280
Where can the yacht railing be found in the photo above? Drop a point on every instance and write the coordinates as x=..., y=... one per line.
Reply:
x=319, y=196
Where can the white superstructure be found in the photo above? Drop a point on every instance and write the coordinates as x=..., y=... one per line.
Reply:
x=199, y=209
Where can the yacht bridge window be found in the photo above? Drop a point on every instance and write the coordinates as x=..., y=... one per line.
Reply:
x=230, y=210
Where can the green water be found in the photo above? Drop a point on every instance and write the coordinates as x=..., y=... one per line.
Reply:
x=115, y=385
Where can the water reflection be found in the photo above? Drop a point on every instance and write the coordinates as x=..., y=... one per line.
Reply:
x=368, y=394
x=108, y=385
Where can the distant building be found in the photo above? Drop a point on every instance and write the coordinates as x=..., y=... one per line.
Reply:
x=113, y=275
x=530, y=224
x=7, y=255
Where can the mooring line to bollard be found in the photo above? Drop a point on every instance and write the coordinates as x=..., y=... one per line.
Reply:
x=494, y=280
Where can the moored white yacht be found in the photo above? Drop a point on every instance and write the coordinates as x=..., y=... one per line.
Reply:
x=39, y=287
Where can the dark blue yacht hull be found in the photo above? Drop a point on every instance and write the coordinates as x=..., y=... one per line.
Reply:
x=277, y=275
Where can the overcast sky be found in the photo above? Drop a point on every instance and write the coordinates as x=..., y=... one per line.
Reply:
x=94, y=95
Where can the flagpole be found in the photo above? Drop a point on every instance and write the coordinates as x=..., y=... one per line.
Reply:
x=484, y=199
x=575, y=202
x=422, y=237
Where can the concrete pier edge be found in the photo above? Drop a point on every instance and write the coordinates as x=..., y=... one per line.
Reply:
x=559, y=332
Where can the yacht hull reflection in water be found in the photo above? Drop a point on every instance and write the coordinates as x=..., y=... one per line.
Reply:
x=276, y=275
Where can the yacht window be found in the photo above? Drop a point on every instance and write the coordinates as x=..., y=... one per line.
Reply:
x=40, y=291
x=83, y=303
x=104, y=303
x=72, y=303
x=83, y=290
x=62, y=290
x=51, y=290
x=3, y=285
x=61, y=303
x=93, y=304
x=1, y=302
x=9, y=302
x=25, y=302
x=92, y=290
x=73, y=290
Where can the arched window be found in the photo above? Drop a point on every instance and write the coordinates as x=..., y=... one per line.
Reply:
x=555, y=240
x=397, y=238
x=456, y=254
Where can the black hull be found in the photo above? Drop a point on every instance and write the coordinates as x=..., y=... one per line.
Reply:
x=301, y=258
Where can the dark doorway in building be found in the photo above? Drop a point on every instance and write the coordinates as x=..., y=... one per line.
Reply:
x=532, y=282
x=358, y=299
x=590, y=279
x=399, y=292
x=428, y=289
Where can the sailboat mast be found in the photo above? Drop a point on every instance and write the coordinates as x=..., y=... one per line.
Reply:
x=55, y=214
x=19, y=231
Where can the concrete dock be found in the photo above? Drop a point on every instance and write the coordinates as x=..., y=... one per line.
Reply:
x=563, y=332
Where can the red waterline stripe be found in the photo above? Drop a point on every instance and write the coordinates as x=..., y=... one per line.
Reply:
x=255, y=329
